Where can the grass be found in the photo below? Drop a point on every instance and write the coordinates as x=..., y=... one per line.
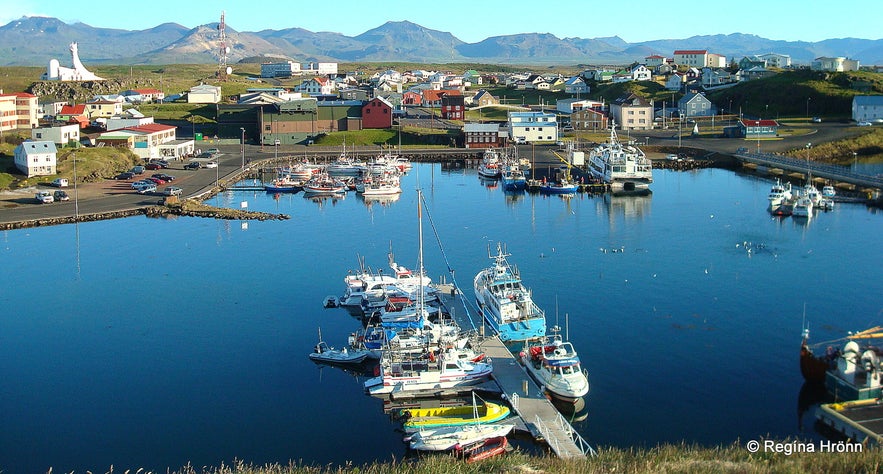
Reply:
x=733, y=458
x=863, y=143
x=93, y=164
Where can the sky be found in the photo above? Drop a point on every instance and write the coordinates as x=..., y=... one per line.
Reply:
x=472, y=21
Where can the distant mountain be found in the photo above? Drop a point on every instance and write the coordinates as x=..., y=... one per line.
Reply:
x=36, y=40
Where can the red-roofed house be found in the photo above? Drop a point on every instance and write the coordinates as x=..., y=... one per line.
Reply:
x=18, y=110
x=412, y=98
x=432, y=98
x=144, y=140
x=68, y=112
x=151, y=95
x=758, y=128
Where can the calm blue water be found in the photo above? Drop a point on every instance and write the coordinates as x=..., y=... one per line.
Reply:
x=157, y=342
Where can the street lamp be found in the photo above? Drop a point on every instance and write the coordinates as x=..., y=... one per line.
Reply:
x=242, y=147
x=807, y=107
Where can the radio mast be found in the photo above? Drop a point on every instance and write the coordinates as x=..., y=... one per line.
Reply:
x=223, y=69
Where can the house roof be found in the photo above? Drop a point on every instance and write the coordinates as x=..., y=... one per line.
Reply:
x=148, y=91
x=382, y=100
x=868, y=100
x=78, y=109
x=759, y=123
x=34, y=147
x=434, y=95
x=655, y=56
x=151, y=128
x=480, y=127
x=632, y=101
x=691, y=51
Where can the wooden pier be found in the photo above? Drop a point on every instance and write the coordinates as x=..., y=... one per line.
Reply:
x=860, y=421
x=529, y=402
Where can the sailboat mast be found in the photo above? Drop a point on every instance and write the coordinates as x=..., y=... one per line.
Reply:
x=420, y=252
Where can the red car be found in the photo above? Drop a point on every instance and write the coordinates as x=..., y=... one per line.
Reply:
x=157, y=180
x=153, y=166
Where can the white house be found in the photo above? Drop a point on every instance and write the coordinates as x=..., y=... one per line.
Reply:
x=316, y=86
x=36, y=158
x=569, y=106
x=143, y=140
x=776, y=60
x=641, y=73
x=839, y=64
x=576, y=85
x=867, y=108
x=675, y=82
x=533, y=126
x=204, y=94
x=60, y=134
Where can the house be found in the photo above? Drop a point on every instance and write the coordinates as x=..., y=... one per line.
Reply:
x=412, y=98
x=676, y=81
x=632, y=112
x=576, y=85
x=654, y=61
x=716, y=60
x=73, y=112
x=61, y=135
x=758, y=128
x=453, y=107
x=716, y=77
x=867, y=108
x=38, y=158
x=472, y=78
x=316, y=86
x=589, y=119
x=49, y=107
x=749, y=62
x=756, y=72
x=695, y=104
x=143, y=140
x=432, y=98
x=104, y=108
x=319, y=69
x=533, y=126
x=352, y=93
x=281, y=69
x=639, y=72
x=839, y=64
x=776, y=60
x=482, y=135
x=143, y=96
x=129, y=118
x=377, y=113
x=567, y=106
x=691, y=57
x=204, y=94
x=18, y=110
x=484, y=98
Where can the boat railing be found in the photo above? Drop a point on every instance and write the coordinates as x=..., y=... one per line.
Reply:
x=564, y=426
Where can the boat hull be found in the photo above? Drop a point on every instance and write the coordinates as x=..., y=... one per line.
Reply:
x=454, y=416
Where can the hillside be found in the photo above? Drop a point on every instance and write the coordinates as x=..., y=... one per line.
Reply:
x=35, y=40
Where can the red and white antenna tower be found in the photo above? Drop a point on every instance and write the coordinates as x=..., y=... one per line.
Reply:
x=223, y=69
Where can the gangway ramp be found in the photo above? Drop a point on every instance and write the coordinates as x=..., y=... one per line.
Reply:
x=531, y=404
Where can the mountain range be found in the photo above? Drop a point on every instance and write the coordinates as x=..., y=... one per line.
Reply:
x=33, y=41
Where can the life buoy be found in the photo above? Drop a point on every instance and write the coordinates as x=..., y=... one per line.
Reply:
x=432, y=356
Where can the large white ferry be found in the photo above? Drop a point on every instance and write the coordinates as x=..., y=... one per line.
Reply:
x=624, y=167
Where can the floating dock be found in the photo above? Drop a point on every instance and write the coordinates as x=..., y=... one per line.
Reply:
x=860, y=421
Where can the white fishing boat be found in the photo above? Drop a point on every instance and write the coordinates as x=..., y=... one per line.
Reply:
x=322, y=184
x=779, y=194
x=505, y=303
x=451, y=437
x=555, y=365
x=491, y=165
x=624, y=167
x=387, y=184
x=803, y=207
x=828, y=191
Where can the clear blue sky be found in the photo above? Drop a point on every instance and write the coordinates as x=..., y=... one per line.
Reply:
x=633, y=21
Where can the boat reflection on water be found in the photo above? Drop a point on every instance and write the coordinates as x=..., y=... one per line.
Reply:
x=359, y=371
x=629, y=204
x=322, y=199
x=489, y=183
x=810, y=397
x=379, y=200
x=514, y=197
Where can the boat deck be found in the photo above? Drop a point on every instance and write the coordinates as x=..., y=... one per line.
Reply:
x=861, y=421
x=529, y=402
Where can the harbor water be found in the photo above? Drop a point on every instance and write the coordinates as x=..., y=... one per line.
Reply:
x=154, y=343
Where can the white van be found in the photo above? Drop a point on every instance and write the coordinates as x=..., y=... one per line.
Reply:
x=60, y=183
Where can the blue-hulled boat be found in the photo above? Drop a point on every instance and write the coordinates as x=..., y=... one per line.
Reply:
x=513, y=178
x=506, y=304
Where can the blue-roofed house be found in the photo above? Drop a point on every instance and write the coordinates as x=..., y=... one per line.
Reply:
x=36, y=158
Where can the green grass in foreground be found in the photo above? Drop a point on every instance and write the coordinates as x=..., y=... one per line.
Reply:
x=734, y=458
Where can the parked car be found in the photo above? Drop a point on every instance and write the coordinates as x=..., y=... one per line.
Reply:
x=161, y=162
x=59, y=182
x=211, y=164
x=149, y=188
x=153, y=166
x=156, y=180
x=44, y=197
x=173, y=191
x=126, y=175
x=193, y=165
x=163, y=176
x=142, y=182
x=816, y=120
x=863, y=124
x=213, y=151
x=60, y=196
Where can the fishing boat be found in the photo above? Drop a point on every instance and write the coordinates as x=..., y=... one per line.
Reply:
x=555, y=365
x=490, y=166
x=284, y=183
x=451, y=437
x=562, y=185
x=802, y=207
x=851, y=373
x=476, y=413
x=484, y=450
x=323, y=353
x=514, y=178
x=383, y=185
x=828, y=191
x=322, y=184
x=779, y=194
x=363, y=282
x=623, y=167
x=505, y=303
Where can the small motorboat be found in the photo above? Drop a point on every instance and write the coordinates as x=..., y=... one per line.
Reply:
x=476, y=413
x=330, y=302
x=325, y=354
x=489, y=448
x=450, y=437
